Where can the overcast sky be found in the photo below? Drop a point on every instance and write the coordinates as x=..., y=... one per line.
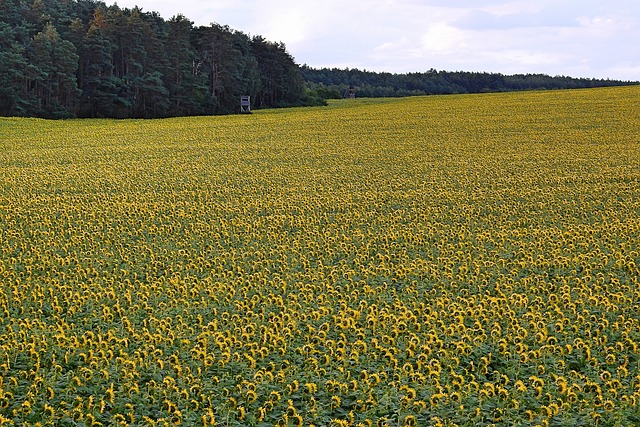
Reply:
x=578, y=38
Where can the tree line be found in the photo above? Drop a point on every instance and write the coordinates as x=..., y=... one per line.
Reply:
x=82, y=58
x=336, y=83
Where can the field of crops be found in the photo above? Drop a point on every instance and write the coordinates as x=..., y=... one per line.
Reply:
x=461, y=260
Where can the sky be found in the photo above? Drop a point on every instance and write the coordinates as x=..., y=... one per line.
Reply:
x=577, y=38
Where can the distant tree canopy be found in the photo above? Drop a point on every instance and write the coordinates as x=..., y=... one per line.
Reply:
x=82, y=58
x=335, y=83
x=66, y=58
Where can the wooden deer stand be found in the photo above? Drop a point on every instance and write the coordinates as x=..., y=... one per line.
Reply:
x=245, y=104
x=350, y=92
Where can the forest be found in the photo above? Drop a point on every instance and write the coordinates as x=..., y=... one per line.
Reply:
x=83, y=58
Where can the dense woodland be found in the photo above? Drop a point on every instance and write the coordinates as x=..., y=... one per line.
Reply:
x=65, y=58
x=82, y=58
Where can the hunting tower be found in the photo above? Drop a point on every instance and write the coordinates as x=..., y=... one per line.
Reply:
x=245, y=104
x=350, y=92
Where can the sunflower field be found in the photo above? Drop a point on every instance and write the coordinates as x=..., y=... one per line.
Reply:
x=468, y=260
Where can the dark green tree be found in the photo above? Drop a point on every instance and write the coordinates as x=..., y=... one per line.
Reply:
x=281, y=83
x=100, y=87
x=151, y=94
x=54, y=85
x=15, y=70
x=187, y=89
x=14, y=12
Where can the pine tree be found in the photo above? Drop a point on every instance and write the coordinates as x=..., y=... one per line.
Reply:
x=54, y=82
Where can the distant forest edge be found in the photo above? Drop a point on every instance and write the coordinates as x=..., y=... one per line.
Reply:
x=82, y=58
x=336, y=83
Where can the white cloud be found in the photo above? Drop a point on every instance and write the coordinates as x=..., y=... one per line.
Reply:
x=442, y=37
x=290, y=25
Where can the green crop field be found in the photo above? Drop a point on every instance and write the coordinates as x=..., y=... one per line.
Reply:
x=465, y=260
